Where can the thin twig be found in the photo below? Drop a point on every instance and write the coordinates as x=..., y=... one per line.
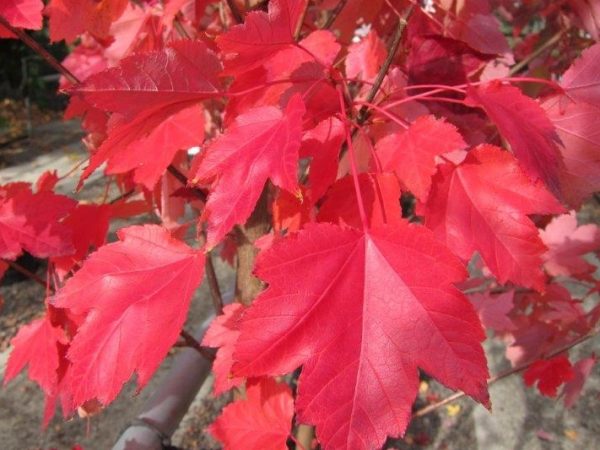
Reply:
x=334, y=14
x=213, y=284
x=363, y=113
x=235, y=12
x=49, y=58
x=537, y=52
x=190, y=341
x=32, y=276
x=123, y=196
x=183, y=180
x=430, y=408
x=301, y=20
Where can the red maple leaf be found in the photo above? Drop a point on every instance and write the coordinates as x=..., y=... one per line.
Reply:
x=578, y=126
x=223, y=333
x=261, y=421
x=362, y=312
x=31, y=222
x=572, y=389
x=524, y=124
x=549, y=374
x=567, y=244
x=151, y=95
x=261, y=144
x=410, y=154
x=323, y=144
x=261, y=35
x=482, y=205
x=70, y=18
x=493, y=310
x=136, y=293
x=89, y=226
x=36, y=345
x=22, y=13
x=380, y=195
x=582, y=80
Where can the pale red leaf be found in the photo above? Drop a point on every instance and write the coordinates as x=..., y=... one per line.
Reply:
x=290, y=212
x=136, y=293
x=302, y=69
x=31, y=222
x=567, y=244
x=549, y=374
x=89, y=227
x=410, y=154
x=323, y=144
x=145, y=91
x=70, y=18
x=22, y=13
x=36, y=345
x=572, y=389
x=380, y=195
x=482, y=205
x=262, y=34
x=261, y=144
x=179, y=131
x=578, y=126
x=474, y=23
x=361, y=313
x=261, y=421
x=366, y=57
x=582, y=79
x=183, y=73
x=589, y=14
x=223, y=333
x=493, y=310
x=525, y=126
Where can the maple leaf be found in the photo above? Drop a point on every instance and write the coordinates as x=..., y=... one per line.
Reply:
x=136, y=293
x=31, y=222
x=261, y=421
x=582, y=80
x=261, y=144
x=145, y=91
x=493, y=310
x=572, y=389
x=524, y=124
x=361, y=313
x=549, y=374
x=482, y=205
x=89, y=226
x=223, y=333
x=22, y=13
x=304, y=69
x=70, y=18
x=578, y=126
x=365, y=58
x=290, y=212
x=323, y=144
x=474, y=24
x=567, y=244
x=380, y=196
x=36, y=345
x=410, y=154
x=247, y=45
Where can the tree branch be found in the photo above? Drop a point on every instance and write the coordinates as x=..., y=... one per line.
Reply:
x=49, y=58
x=213, y=284
x=190, y=341
x=184, y=180
x=334, y=14
x=363, y=113
x=301, y=20
x=22, y=270
x=235, y=12
x=430, y=408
